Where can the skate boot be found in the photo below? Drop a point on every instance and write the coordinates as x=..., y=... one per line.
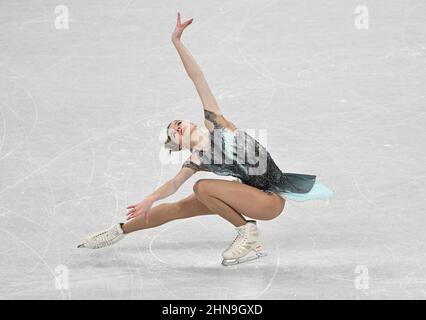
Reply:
x=245, y=247
x=103, y=238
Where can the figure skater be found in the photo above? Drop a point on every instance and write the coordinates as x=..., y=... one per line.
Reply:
x=259, y=192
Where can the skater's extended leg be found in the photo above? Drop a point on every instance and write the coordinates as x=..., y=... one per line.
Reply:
x=165, y=212
x=162, y=213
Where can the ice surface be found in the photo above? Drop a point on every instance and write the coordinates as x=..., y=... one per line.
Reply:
x=81, y=118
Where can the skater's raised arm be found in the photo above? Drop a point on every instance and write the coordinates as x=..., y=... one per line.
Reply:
x=192, y=68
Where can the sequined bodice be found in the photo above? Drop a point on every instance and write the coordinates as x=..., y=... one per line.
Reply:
x=236, y=153
x=240, y=155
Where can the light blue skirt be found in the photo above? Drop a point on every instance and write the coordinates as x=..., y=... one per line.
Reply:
x=318, y=192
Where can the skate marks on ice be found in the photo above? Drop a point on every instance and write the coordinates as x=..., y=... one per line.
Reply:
x=66, y=168
x=202, y=247
x=198, y=251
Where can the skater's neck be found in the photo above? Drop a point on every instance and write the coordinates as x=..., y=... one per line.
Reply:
x=200, y=140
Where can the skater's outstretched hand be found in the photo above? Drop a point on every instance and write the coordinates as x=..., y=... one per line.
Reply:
x=180, y=27
x=143, y=207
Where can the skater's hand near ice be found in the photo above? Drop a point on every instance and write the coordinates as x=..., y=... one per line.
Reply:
x=180, y=27
x=143, y=207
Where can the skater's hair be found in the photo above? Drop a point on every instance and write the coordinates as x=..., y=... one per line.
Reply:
x=169, y=144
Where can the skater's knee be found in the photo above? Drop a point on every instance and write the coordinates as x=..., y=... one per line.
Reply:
x=200, y=186
x=281, y=207
x=275, y=210
x=277, y=206
x=270, y=216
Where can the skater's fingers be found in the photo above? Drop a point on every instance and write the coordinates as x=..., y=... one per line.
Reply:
x=187, y=23
x=131, y=206
x=133, y=210
x=132, y=213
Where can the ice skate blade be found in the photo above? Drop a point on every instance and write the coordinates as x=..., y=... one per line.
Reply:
x=234, y=262
x=84, y=246
x=89, y=248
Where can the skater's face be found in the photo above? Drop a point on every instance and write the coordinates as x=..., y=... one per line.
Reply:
x=179, y=132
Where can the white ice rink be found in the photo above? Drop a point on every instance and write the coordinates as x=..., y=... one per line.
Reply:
x=83, y=110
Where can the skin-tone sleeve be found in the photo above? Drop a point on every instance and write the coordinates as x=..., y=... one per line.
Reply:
x=218, y=120
x=189, y=164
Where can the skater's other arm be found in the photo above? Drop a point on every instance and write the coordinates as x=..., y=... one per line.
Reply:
x=167, y=189
x=172, y=185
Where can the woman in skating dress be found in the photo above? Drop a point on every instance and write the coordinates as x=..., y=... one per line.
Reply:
x=259, y=191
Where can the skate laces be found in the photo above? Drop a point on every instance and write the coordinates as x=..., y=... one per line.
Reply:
x=236, y=240
x=242, y=235
x=105, y=237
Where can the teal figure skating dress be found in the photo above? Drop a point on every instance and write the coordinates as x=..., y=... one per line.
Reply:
x=238, y=154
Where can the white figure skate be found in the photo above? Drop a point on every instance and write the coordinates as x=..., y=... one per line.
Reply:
x=103, y=238
x=246, y=246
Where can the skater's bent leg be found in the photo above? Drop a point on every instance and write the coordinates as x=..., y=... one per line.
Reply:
x=232, y=200
x=165, y=212
x=223, y=209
